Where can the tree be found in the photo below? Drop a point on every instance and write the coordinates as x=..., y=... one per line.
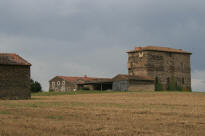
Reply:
x=35, y=86
x=173, y=86
x=158, y=85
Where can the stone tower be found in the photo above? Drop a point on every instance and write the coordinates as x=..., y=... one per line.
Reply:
x=162, y=64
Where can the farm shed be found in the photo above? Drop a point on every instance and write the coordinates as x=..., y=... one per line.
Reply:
x=123, y=82
x=14, y=77
x=69, y=83
x=100, y=84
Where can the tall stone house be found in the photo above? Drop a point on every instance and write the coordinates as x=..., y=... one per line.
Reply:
x=162, y=64
x=69, y=83
x=14, y=77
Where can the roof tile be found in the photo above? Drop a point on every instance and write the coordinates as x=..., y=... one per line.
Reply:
x=81, y=79
x=158, y=48
x=12, y=59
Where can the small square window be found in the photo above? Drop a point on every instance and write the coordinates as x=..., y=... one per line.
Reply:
x=63, y=83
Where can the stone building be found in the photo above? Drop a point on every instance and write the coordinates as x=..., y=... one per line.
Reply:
x=68, y=83
x=14, y=77
x=123, y=82
x=161, y=63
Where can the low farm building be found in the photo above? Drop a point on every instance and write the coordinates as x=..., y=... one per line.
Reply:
x=133, y=83
x=100, y=84
x=69, y=83
x=14, y=77
x=122, y=82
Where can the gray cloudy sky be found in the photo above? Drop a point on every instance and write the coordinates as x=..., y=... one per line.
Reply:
x=77, y=37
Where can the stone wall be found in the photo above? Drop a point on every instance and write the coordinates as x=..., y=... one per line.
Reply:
x=120, y=85
x=60, y=85
x=133, y=85
x=14, y=82
x=163, y=65
x=141, y=86
x=137, y=64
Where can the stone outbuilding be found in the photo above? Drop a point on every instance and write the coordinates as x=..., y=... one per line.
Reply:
x=14, y=77
x=123, y=82
x=69, y=83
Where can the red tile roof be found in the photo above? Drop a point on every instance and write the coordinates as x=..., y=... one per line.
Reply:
x=158, y=48
x=12, y=59
x=80, y=79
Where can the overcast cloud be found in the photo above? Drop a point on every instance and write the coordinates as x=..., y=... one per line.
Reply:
x=77, y=37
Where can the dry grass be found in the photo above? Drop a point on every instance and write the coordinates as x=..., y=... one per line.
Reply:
x=120, y=114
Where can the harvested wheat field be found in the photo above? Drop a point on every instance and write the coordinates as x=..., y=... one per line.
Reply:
x=105, y=114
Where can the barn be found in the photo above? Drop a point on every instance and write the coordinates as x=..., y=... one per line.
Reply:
x=71, y=83
x=14, y=77
x=123, y=82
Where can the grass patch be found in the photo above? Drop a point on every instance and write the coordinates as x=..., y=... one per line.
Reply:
x=43, y=104
x=55, y=117
x=101, y=92
x=114, y=105
x=5, y=112
x=71, y=93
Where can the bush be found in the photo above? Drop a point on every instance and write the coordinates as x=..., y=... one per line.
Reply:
x=51, y=90
x=158, y=85
x=85, y=88
x=173, y=86
x=35, y=86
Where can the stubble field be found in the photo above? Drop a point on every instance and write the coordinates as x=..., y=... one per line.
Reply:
x=105, y=114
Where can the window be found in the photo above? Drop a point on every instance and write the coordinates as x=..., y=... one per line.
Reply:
x=170, y=54
x=156, y=80
x=63, y=83
x=182, y=80
x=168, y=80
x=58, y=83
x=141, y=54
x=53, y=84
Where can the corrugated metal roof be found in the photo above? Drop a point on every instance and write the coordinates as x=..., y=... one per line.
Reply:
x=158, y=48
x=12, y=59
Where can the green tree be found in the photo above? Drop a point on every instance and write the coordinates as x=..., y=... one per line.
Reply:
x=173, y=86
x=35, y=86
x=158, y=85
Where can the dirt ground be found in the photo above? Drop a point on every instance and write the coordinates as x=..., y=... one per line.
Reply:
x=105, y=114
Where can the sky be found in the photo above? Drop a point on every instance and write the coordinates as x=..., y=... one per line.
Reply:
x=91, y=37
